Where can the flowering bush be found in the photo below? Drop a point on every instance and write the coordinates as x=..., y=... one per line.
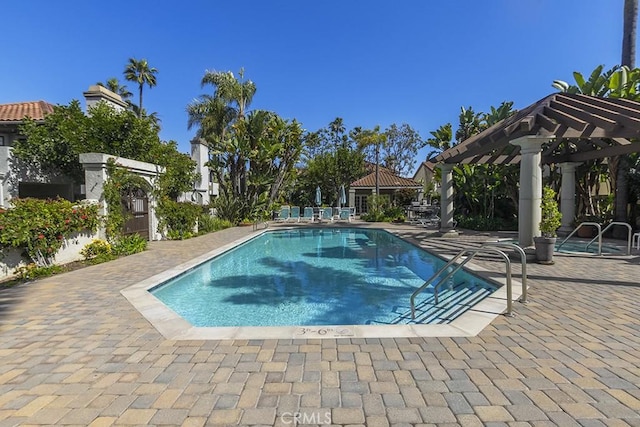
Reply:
x=98, y=250
x=40, y=226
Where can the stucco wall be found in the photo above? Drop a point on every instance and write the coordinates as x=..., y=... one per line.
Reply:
x=69, y=252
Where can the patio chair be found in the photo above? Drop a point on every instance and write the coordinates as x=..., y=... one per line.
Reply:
x=295, y=214
x=431, y=221
x=283, y=215
x=344, y=214
x=327, y=214
x=307, y=214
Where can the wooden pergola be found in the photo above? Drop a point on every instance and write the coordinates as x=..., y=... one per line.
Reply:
x=582, y=127
x=562, y=128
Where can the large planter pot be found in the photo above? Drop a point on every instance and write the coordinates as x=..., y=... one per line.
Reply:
x=587, y=231
x=545, y=247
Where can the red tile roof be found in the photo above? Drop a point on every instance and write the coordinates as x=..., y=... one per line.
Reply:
x=18, y=111
x=385, y=180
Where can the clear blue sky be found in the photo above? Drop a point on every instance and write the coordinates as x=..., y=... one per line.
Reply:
x=370, y=62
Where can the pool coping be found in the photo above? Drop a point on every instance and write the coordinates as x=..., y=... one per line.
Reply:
x=174, y=327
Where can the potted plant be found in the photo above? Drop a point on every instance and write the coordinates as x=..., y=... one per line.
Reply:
x=549, y=224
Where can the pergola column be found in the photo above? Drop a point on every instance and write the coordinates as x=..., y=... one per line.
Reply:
x=529, y=211
x=568, y=196
x=446, y=200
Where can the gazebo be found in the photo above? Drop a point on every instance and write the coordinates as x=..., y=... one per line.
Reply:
x=562, y=128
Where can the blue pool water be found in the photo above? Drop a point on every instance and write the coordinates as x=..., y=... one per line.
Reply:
x=314, y=276
x=579, y=246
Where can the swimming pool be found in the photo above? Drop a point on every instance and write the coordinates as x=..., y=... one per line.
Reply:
x=318, y=276
x=580, y=246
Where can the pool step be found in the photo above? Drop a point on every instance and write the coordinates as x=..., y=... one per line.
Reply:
x=451, y=304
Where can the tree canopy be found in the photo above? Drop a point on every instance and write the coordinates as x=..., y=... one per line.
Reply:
x=54, y=145
x=252, y=153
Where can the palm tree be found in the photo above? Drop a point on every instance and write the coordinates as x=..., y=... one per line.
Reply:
x=216, y=116
x=373, y=138
x=138, y=71
x=629, y=33
x=628, y=59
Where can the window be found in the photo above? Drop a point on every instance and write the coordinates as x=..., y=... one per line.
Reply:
x=1, y=140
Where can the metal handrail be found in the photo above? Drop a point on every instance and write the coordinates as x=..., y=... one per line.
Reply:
x=471, y=254
x=523, y=262
x=599, y=236
x=612, y=223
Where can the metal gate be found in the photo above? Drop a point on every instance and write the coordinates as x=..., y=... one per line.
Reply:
x=135, y=204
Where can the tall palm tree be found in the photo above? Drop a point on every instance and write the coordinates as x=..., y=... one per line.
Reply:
x=216, y=116
x=138, y=71
x=629, y=33
x=630, y=16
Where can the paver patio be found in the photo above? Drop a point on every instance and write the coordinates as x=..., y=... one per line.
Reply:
x=75, y=352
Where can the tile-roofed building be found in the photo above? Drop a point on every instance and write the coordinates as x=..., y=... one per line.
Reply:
x=16, y=112
x=388, y=184
x=19, y=180
x=386, y=179
x=425, y=176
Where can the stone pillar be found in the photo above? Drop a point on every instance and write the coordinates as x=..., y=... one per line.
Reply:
x=529, y=211
x=200, y=155
x=568, y=196
x=352, y=197
x=5, y=172
x=95, y=176
x=446, y=200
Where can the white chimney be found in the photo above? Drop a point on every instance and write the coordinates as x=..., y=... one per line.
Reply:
x=97, y=93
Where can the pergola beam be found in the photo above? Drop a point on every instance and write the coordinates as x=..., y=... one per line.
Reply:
x=610, y=151
x=561, y=116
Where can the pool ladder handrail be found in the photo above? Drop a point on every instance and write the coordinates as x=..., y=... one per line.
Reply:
x=599, y=236
x=471, y=254
x=523, y=262
x=611, y=224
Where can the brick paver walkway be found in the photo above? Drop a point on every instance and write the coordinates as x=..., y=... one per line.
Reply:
x=73, y=351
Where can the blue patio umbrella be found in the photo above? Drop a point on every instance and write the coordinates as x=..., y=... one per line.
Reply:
x=343, y=196
x=318, y=196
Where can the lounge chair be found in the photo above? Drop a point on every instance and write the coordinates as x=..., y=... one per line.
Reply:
x=307, y=214
x=327, y=214
x=295, y=214
x=345, y=214
x=283, y=215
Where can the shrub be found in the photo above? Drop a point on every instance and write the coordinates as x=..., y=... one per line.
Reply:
x=232, y=208
x=129, y=245
x=481, y=223
x=177, y=218
x=208, y=223
x=40, y=226
x=100, y=251
x=34, y=271
x=551, y=217
x=97, y=251
x=381, y=210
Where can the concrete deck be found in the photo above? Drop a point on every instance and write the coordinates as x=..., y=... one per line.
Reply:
x=74, y=351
